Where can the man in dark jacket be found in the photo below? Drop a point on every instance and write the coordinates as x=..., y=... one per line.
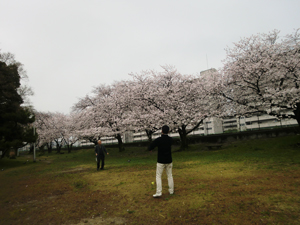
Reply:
x=99, y=151
x=164, y=160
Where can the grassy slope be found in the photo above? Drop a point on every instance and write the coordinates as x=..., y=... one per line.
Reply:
x=249, y=182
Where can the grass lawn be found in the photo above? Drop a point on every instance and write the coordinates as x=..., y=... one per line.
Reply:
x=247, y=182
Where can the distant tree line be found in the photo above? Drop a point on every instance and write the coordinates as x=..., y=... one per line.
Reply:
x=260, y=75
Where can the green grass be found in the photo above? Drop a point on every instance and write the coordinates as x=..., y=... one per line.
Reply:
x=247, y=182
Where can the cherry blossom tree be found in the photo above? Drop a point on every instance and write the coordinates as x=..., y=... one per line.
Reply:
x=149, y=101
x=71, y=135
x=106, y=112
x=51, y=127
x=88, y=125
x=44, y=130
x=119, y=108
x=145, y=116
x=261, y=74
x=181, y=101
x=57, y=129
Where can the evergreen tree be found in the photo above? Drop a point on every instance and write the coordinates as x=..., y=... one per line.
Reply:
x=15, y=120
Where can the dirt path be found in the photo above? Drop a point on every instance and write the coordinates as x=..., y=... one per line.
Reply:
x=100, y=220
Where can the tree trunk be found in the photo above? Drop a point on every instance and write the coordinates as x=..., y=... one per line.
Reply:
x=49, y=146
x=4, y=152
x=297, y=113
x=120, y=143
x=94, y=140
x=42, y=149
x=58, y=148
x=183, y=138
x=69, y=148
x=31, y=149
x=149, y=135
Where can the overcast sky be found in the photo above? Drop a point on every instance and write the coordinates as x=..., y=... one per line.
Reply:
x=70, y=46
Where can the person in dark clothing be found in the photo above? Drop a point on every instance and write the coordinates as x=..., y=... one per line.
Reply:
x=100, y=154
x=164, y=160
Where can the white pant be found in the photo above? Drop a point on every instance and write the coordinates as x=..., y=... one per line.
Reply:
x=159, y=170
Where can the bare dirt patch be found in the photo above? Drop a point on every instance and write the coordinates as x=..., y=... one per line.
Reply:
x=100, y=220
x=72, y=170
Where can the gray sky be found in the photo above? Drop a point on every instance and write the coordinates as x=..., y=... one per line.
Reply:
x=69, y=46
